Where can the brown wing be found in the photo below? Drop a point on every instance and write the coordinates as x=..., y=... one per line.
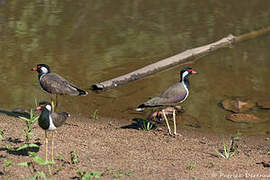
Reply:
x=55, y=84
x=59, y=118
x=173, y=95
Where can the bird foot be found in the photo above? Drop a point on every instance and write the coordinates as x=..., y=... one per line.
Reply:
x=176, y=134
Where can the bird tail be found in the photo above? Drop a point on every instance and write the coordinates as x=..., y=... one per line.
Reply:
x=82, y=92
x=67, y=114
x=141, y=107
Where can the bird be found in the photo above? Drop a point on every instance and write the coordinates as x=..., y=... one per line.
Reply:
x=172, y=96
x=50, y=121
x=55, y=84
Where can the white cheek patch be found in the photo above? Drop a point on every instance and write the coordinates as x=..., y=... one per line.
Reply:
x=49, y=107
x=184, y=74
x=44, y=70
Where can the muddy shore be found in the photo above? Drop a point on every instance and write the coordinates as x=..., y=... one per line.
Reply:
x=126, y=153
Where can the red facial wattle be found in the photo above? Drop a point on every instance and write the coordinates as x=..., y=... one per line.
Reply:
x=192, y=71
x=40, y=106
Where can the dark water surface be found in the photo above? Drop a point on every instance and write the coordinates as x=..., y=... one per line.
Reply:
x=90, y=41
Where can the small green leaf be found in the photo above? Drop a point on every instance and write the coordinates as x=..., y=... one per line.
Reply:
x=23, y=118
x=95, y=174
x=81, y=172
x=33, y=145
x=59, y=157
x=31, y=114
x=89, y=176
x=58, y=170
x=74, y=157
x=24, y=164
x=219, y=153
x=9, y=147
x=35, y=119
x=32, y=154
x=41, y=161
x=33, y=177
x=42, y=174
x=22, y=147
x=7, y=162
x=1, y=134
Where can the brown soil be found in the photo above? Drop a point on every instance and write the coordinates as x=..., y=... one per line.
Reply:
x=103, y=146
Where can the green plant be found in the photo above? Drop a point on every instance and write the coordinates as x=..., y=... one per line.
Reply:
x=36, y=160
x=1, y=134
x=74, y=157
x=27, y=132
x=147, y=125
x=9, y=147
x=95, y=114
x=120, y=173
x=191, y=165
x=84, y=175
x=59, y=157
x=58, y=170
x=227, y=152
x=6, y=163
x=39, y=175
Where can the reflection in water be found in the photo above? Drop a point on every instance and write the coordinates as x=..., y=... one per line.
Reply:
x=92, y=41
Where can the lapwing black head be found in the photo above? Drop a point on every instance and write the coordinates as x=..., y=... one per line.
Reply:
x=184, y=76
x=49, y=120
x=42, y=69
x=186, y=72
x=45, y=106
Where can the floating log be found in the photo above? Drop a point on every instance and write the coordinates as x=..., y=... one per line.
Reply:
x=183, y=57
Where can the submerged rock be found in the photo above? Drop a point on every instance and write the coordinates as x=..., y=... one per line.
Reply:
x=237, y=104
x=246, y=118
x=264, y=104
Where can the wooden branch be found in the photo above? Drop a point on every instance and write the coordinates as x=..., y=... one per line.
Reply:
x=175, y=60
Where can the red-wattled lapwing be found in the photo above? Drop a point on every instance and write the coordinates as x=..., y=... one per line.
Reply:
x=175, y=94
x=55, y=84
x=50, y=121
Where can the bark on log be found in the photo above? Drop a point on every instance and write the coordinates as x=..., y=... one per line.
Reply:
x=185, y=56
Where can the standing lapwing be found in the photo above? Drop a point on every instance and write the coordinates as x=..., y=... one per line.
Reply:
x=55, y=84
x=175, y=94
x=50, y=121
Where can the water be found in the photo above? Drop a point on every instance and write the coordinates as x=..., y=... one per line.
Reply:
x=92, y=41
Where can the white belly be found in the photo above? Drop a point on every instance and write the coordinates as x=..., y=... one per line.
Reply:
x=52, y=126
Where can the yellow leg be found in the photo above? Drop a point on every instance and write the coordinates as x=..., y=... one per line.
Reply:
x=56, y=102
x=174, y=123
x=46, y=144
x=166, y=120
x=52, y=145
x=53, y=106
